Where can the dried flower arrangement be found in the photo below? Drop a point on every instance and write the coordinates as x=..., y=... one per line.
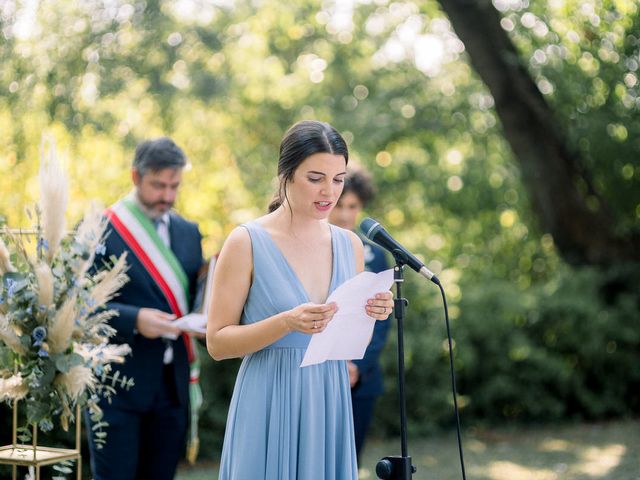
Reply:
x=54, y=333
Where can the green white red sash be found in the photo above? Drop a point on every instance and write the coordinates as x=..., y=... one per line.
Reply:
x=141, y=237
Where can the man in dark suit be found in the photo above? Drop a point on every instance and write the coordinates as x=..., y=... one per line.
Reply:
x=148, y=423
x=365, y=374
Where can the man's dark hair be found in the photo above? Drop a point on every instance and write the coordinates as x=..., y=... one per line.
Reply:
x=158, y=154
x=360, y=183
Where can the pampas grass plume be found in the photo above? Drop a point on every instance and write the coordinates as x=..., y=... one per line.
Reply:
x=13, y=388
x=61, y=326
x=45, y=284
x=75, y=381
x=103, y=354
x=9, y=337
x=90, y=232
x=5, y=259
x=108, y=282
x=54, y=193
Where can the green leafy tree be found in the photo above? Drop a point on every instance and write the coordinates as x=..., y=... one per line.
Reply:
x=497, y=160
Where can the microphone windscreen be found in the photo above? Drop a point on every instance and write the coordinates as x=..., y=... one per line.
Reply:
x=367, y=227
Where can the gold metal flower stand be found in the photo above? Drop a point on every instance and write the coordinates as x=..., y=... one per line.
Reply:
x=37, y=456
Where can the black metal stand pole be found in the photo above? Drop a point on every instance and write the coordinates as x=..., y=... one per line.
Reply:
x=399, y=467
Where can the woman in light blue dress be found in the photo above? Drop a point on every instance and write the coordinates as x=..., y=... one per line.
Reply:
x=271, y=283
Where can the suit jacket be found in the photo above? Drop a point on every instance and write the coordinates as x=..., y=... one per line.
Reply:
x=370, y=382
x=145, y=363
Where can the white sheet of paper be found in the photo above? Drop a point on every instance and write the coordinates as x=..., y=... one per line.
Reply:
x=349, y=332
x=193, y=322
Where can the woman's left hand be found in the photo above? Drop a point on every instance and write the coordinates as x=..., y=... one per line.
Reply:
x=380, y=306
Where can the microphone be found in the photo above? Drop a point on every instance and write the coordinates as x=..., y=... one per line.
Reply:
x=377, y=234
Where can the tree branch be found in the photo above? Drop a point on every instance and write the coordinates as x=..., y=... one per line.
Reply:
x=580, y=223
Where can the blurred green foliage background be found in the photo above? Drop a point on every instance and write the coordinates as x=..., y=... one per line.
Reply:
x=536, y=339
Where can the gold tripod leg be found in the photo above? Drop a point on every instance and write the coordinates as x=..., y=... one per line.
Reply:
x=78, y=431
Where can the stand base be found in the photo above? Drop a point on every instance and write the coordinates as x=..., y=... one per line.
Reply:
x=26, y=455
x=395, y=468
x=35, y=455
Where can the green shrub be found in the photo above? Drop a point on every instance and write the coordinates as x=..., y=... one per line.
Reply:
x=567, y=348
x=217, y=380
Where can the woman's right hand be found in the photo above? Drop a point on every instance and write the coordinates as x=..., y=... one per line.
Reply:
x=310, y=317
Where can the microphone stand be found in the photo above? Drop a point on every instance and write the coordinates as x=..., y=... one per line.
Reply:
x=399, y=467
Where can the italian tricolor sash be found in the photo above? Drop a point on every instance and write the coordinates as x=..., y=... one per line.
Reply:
x=141, y=237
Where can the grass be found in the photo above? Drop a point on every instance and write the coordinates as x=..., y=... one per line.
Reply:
x=596, y=451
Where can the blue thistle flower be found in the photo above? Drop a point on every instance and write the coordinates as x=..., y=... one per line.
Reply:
x=38, y=335
x=46, y=425
x=42, y=353
x=42, y=243
x=101, y=249
x=11, y=287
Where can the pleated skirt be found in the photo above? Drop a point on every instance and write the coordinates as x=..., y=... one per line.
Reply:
x=287, y=422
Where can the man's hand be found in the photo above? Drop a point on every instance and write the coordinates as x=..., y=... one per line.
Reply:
x=152, y=323
x=354, y=373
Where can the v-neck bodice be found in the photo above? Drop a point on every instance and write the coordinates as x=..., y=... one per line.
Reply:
x=276, y=286
x=295, y=278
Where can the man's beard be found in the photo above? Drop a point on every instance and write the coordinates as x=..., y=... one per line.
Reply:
x=156, y=206
x=153, y=209
x=159, y=208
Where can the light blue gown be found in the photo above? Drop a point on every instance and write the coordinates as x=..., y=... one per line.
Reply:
x=287, y=422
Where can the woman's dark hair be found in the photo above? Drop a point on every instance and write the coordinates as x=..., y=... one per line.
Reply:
x=300, y=142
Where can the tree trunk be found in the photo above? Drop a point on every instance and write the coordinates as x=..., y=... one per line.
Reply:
x=551, y=172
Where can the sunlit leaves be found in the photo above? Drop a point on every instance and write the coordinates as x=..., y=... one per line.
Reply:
x=226, y=79
x=586, y=66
